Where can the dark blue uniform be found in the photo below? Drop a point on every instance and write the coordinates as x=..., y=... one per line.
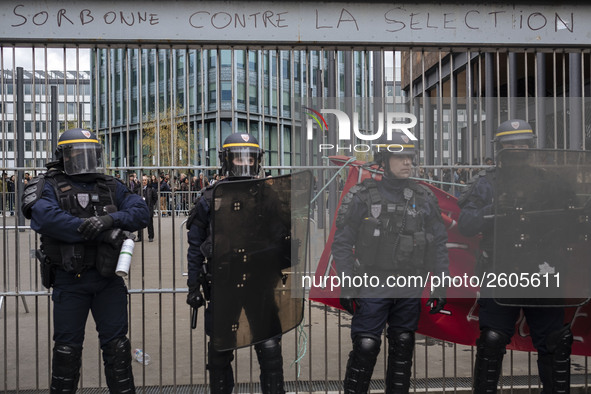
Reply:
x=74, y=296
x=199, y=234
x=268, y=350
x=399, y=308
x=401, y=313
x=475, y=204
x=497, y=323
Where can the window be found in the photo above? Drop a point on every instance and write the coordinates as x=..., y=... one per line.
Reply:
x=286, y=145
x=239, y=56
x=252, y=60
x=226, y=91
x=253, y=95
x=286, y=68
x=271, y=144
x=226, y=58
x=212, y=94
x=241, y=93
x=212, y=58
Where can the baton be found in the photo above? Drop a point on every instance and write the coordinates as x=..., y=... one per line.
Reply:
x=193, y=318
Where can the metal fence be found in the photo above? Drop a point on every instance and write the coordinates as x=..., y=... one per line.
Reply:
x=458, y=95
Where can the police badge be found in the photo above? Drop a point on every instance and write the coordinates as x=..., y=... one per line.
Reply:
x=376, y=209
x=83, y=199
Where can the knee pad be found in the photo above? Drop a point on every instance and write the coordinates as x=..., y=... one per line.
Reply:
x=117, y=352
x=492, y=343
x=400, y=350
x=559, y=343
x=269, y=354
x=219, y=365
x=490, y=350
x=65, y=374
x=66, y=359
x=365, y=351
x=402, y=344
x=219, y=359
x=117, y=360
x=271, y=363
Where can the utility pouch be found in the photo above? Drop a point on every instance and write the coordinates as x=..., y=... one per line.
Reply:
x=419, y=251
x=366, y=245
x=72, y=257
x=430, y=253
x=404, y=251
x=106, y=259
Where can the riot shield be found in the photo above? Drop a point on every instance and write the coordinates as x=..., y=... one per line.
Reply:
x=259, y=234
x=542, y=228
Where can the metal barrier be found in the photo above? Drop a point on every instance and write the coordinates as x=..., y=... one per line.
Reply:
x=165, y=106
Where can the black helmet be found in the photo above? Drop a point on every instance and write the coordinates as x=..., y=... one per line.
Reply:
x=80, y=152
x=241, y=155
x=515, y=132
x=399, y=145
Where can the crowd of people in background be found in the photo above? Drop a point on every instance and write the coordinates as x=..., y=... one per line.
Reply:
x=176, y=195
x=186, y=187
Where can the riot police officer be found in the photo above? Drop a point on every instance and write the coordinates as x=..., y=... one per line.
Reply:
x=497, y=322
x=395, y=228
x=82, y=216
x=240, y=157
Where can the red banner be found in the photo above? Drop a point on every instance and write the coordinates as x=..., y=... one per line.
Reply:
x=462, y=325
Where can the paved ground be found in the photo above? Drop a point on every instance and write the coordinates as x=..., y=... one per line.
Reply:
x=159, y=324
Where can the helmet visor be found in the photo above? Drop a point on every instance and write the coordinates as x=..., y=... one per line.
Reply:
x=85, y=158
x=243, y=161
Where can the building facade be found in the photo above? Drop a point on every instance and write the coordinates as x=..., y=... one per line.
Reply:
x=186, y=101
x=73, y=110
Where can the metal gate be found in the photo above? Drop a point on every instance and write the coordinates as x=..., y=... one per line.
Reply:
x=163, y=85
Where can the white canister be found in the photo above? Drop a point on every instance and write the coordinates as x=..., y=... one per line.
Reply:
x=125, y=258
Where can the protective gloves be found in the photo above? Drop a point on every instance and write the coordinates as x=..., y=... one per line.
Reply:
x=95, y=225
x=437, y=301
x=195, y=297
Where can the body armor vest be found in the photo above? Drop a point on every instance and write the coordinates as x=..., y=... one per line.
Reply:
x=393, y=237
x=83, y=203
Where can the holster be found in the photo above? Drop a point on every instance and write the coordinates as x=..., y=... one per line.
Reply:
x=46, y=269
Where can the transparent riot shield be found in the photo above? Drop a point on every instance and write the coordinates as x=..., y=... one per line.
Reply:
x=542, y=228
x=260, y=232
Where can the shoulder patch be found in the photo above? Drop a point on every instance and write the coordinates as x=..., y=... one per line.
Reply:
x=32, y=194
x=365, y=189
